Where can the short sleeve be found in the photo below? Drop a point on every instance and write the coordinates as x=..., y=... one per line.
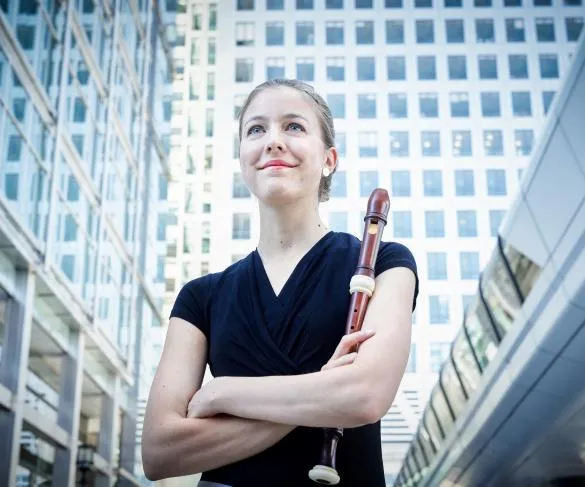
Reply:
x=191, y=304
x=394, y=254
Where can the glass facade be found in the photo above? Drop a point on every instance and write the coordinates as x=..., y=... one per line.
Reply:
x=503, y=287
x=83, y=187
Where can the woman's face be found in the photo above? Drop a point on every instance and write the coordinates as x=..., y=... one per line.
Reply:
x=282, y=154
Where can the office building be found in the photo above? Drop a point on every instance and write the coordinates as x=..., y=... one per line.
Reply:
x=84, y=138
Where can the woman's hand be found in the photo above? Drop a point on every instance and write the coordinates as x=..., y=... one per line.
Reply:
x=343, y=354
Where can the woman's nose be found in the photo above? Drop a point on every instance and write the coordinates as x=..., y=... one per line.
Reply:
x=274, y=146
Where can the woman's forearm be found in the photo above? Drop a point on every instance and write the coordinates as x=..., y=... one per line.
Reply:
x=185, y=446
x=329, y=398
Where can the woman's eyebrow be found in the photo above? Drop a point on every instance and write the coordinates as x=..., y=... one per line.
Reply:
x=263, y=118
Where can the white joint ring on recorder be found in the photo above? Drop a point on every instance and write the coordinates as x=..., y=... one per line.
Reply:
x=362, y=284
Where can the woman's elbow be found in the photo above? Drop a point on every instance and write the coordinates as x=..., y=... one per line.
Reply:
x=151, y=464
x=373, y=405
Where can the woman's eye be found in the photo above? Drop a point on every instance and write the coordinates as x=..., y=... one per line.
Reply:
x=254, y=130
x=295, y=126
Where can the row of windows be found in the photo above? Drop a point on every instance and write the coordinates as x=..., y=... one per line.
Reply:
x=427, y=106
x=401, y=225
x=397, y=68
x=400, y=184
x=503, y=288
x=369, y=4
x=424, y=32
x=461, y=145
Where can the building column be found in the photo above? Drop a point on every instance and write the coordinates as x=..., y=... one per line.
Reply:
x=64, y=468
x=108, y=433
x=127, y=448
x=13, y=372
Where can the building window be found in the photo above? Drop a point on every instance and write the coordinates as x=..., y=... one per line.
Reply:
x=431, y=143
x=545, y=29
x=521, y=106
x=574, y=26
x=244, y=70
x=515, y=31
x=400, y=181
x=488, y=67
x=366, y=68
x=399, y=146
x=245, y=33
x=211, y=51
x=334, y=4
x=518, y=66
x=523, y=141
x=547, y=99
x=469, y=265
x=363, y=3
x=367, y=105
x=364, y=32
x=428, y=105
x=493, y=142
x=459, y=103
x=304, y=4
x=423, y=3
x=306, y=69
x=411, y=364
x=484, y=31
x=439, y=310
x=14, y=148
x=437, y=266
x=245, y=5
x=402, y=224
x=339, y=185
x=461, y=140
x=394, y=32
x=274, y=67
x=336, y=105
x=439, y=354
x=396, y=68
x=305, y=33
x=549, y=66
x=496, y=218
x=454, y=31
x=275, y=33
x=335, y=68
x=338, y=221
x=457, y=66
x=340, y=143
x=368, y=144
x=433, y=182
x=368, y=182
x=425, y=32
x=490, y=104
x=334, y=33
x=453, y=3
x=241, y=226
x=393, y=3
x=427, y=69
x=397, y=105
x=466, y=223
x=482, y=3
x=464, y=184
x=274, y=4
x=496, y=182
x=26, y=36
x=435, y=224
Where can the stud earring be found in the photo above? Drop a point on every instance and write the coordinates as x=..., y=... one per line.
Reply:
x=326, y=172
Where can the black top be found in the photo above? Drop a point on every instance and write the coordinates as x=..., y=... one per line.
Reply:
x=253, y=332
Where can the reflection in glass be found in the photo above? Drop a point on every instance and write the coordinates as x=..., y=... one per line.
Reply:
x=466, y=363
x=500, y=293
x=442, y=409
x=524, y=270
x=452, y=387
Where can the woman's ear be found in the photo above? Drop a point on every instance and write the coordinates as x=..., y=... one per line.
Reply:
x=331, y=159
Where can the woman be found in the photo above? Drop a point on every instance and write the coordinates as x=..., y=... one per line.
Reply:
x=271, y=326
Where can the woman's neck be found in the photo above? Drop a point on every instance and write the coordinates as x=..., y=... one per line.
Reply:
x=289, y=230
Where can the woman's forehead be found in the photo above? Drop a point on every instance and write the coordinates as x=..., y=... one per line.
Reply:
x=281, y=101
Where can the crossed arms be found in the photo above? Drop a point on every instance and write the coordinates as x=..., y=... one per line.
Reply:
x=189, y=428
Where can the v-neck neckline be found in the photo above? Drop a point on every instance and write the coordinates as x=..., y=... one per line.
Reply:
x=296, y=269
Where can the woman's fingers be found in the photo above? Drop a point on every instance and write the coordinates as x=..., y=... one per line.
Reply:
x=343, y=360
x=348, y=342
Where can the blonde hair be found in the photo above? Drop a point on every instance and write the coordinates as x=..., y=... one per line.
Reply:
x=321, y=110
